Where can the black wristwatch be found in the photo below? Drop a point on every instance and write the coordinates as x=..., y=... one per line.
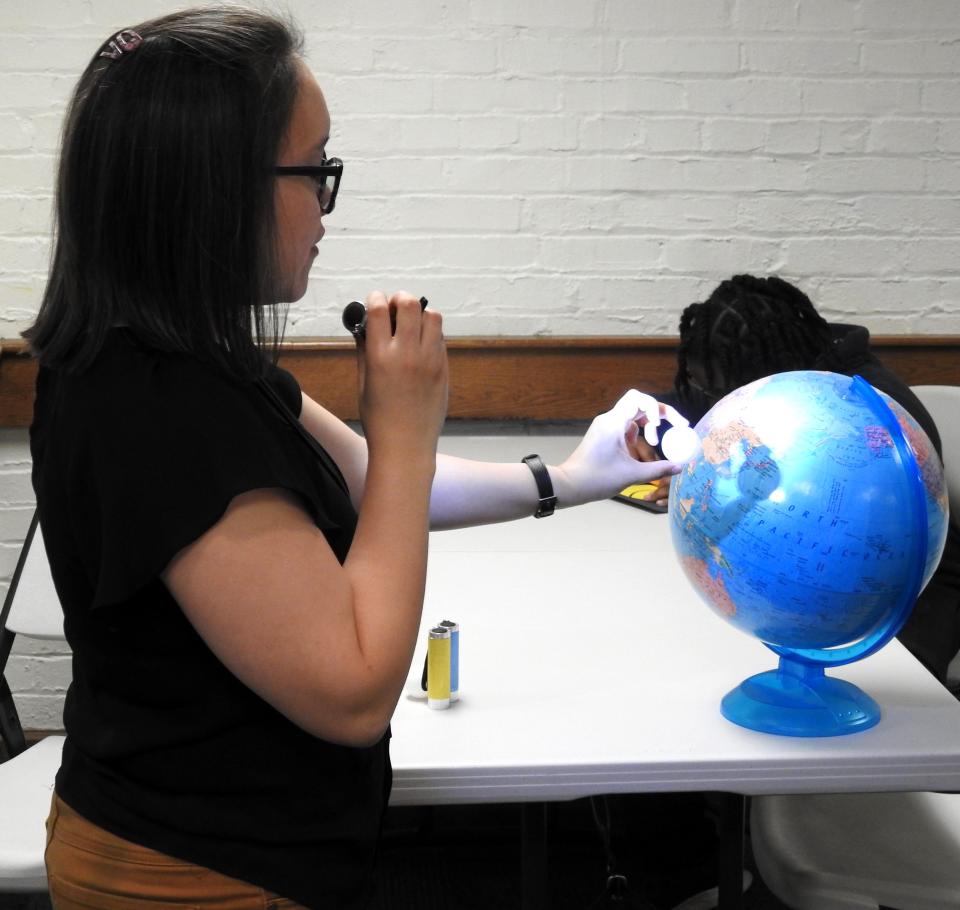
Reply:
x=548, y=499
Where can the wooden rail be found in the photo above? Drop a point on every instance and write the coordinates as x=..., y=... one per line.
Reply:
x=512, y=378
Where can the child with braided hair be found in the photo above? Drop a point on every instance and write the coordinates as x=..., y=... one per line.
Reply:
x=752, y=327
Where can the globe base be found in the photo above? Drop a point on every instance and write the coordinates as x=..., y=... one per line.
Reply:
x=799, y=699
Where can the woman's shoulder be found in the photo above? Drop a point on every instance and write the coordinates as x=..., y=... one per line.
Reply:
x=129, y=376
x=140, y=396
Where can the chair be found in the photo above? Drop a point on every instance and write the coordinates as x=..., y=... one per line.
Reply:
x=863, y=851
x=859, y=851
x=32, y=609
x=943, y=403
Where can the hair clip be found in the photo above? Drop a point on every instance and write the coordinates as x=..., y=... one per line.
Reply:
x=124, y=42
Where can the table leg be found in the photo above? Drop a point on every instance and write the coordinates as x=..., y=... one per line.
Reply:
x=533, y=856
x=733, y=811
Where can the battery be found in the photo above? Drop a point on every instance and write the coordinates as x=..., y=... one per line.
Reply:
x=454, y=657
x=438, y=668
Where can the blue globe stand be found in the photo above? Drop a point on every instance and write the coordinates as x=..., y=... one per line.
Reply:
x=798, y=698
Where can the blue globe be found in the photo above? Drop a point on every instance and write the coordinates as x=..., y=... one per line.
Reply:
x=812, y=517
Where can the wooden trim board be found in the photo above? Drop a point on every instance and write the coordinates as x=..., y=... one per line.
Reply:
x=512, y=378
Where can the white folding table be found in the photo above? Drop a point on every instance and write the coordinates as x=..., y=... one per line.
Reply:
x=589, y=666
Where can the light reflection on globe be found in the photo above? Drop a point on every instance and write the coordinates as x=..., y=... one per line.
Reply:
x=811, y=519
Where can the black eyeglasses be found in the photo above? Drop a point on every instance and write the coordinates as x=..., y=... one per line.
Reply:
x=327, y=175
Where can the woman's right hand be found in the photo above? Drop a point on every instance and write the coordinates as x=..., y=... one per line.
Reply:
x=403, y=376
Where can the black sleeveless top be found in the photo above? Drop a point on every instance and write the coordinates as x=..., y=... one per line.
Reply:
x=132, y=460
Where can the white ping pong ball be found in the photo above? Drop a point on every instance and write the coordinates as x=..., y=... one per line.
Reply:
x=680, y=444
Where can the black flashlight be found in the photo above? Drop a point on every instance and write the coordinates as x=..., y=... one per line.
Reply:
x=355, y=317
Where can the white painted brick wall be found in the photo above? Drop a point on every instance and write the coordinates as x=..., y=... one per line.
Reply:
x=564, y=167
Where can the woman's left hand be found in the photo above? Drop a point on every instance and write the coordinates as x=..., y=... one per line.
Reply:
x=643, y=451
x=606, y=460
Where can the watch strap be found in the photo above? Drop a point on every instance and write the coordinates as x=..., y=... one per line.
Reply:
x=547, y=498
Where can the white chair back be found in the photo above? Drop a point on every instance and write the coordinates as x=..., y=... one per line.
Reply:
x=31, y=608
x=943, y=403
x=36, y=610
x=853, y=851
x=26, y=787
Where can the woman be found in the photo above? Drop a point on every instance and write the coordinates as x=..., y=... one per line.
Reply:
x=241, y=574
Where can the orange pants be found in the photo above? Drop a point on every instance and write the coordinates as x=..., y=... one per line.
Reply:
x=90, y=869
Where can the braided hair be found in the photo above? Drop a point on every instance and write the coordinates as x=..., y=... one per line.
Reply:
x=749, y=328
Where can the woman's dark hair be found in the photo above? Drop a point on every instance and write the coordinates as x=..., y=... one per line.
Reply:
x=749, y=328
x=165, y=193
